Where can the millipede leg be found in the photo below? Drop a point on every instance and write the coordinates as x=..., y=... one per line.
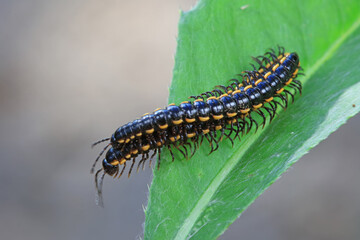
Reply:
x=132, y=165
x=228, y=137
x=268, y=110
x=146, y=158
x=116, y=173
x=231, y=129
x=249, y=126
x=258, y=111
x=195, y=149
x=253, y=121
x=196, y=141
x=181, y=151
x=222, y=134
x=171, y=153
x=152, y=156
x=216, y=142
x=237, y=130
x=292, y=96
x=140, y=162
x=186, y=152
x=297, y=84
x=190, y=147
x=284, y=100
x=210, y=142
x=159, y=158
x=272, y=109
x=201, y=140
x=278, y=103
x=122, y=171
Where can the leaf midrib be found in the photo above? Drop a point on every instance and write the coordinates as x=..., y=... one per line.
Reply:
x=209, y=192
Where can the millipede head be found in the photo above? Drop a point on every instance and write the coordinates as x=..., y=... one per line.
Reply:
x=109, y=168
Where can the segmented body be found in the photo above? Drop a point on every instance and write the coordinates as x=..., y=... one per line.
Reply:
x=227, y=111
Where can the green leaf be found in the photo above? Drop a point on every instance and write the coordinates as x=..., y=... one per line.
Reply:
x=199, y=198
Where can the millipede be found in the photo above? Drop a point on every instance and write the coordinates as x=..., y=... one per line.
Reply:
x=225, y=112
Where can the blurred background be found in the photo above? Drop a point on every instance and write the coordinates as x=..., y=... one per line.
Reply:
x=71, y=72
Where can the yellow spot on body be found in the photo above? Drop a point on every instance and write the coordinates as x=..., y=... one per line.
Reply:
x=115, y=162
x=286, y=54
x=139, y=134
x=128, y=156
x=164, y=126
x=235, y=92
x=199, y=100
x=190, y=120
x=146, y=114
x=127, y=140
x=257, y=106
x=157, y=109
x=122, y=161
x=190, y=135
x=218, y=117
x=121, y=141
x=231, y=114
x=224, y=95
x=172, y=104
x=149, y=131
x=145, y=147
x=204, y=119
x=132, y=137
x=282, y=60
x=218, y=127
x=288, y=82
x=229, y=92
x=258, y=81
x=280, y=56
x=280, y=91
x=159, y=144
x=271, y=63
x=268, y=65
x=177, y=122
x=275, y=67
x=211, y=98
x=296, y=71
x=185, y=102
x=245, y=111
x=269, y=99
x=173, y=139
x=135, y=151
x=247, y=87
x=261, y=70
x=205, y=131
x=267, y=74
